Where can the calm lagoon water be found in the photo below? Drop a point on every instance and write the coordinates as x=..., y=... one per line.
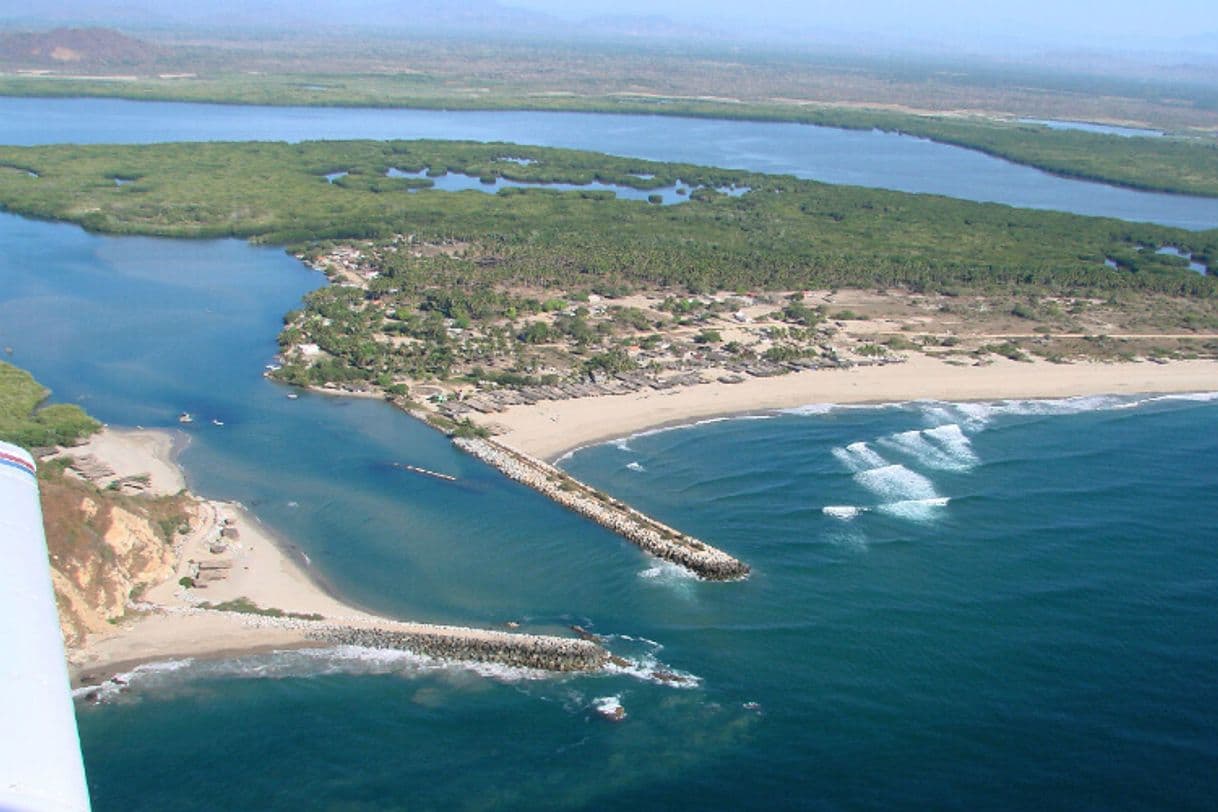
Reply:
x=977, y=606
x=862, y=158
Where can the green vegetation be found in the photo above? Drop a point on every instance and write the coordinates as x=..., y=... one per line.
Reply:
x=784, y=234
x=246, y=606
x=1185, y=165
x=23, y=423
x=527, y=287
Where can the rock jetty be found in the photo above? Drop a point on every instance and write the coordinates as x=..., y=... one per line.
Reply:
x=652, y=536
x=539, y=652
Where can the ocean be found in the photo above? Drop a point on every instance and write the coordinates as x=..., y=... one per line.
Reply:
x=952, y=605
x=957, y=606
x=969, y=606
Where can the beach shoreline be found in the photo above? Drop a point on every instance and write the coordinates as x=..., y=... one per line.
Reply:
x=169, y=623
x=270, y=572
x=550, y=430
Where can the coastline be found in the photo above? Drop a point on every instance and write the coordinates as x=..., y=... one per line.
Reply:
x=551, y=429
x=168, y=623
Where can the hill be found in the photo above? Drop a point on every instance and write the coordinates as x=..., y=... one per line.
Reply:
x=75, y=48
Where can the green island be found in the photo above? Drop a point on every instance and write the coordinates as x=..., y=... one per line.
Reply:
x=531, y=293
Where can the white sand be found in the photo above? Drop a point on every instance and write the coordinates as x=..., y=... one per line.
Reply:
x=132, y=452
x=169, y=625
x=549, y=428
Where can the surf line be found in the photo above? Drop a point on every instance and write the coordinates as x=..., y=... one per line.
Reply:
x=650, y=535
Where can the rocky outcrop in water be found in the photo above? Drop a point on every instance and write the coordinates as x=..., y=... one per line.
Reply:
x=652, y=536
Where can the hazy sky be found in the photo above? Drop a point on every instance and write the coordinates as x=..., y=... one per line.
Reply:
x=1073, y=21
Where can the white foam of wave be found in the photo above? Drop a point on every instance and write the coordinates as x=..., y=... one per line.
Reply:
x=649, y=669
x=918, y=510
x=609, y=706
x=361, y=660
x=1186, y=397
x=896, y=483
x=122, y=681
x=350, y=660
x=815, y=409
x=810, y=410
x=631, y=639
x=622, y=444
x=977, y=415
x=635, y=466
x=952, y=439
x=843, y=512
x=944, y=447
x=859, y=457
x=672, y=576
x=667, y=572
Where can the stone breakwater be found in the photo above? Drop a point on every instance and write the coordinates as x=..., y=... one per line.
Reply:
x=519, y=650
x=652, y=536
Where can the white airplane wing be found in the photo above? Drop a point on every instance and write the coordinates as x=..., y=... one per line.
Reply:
x=40, y=762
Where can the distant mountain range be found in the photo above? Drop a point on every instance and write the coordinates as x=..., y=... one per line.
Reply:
x=71, y=47
x=475, y=17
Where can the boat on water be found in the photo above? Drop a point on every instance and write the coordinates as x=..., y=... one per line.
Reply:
x=185, y=417
x=215, y=422
x=292, y=396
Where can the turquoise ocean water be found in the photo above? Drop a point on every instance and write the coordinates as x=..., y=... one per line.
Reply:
x=964, y=606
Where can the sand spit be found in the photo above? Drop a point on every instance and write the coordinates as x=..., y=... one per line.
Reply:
x=652, y=536
x=234, y=559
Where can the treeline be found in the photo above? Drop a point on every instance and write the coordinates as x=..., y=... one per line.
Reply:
x=23, y=423
x=783, y=234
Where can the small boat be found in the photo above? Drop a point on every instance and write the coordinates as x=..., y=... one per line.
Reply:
x=185, y=417
x=292, y=396
x=215, y=422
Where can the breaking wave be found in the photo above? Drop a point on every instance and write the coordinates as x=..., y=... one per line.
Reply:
x=918, y=510
x=945, y=448
x=300, y=663
x=844, y=512
x=859, y=457
x=896, y=483
x=977, y=415
x=901, y=491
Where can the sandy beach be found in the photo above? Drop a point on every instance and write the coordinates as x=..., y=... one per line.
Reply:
x=550, y=428
x=167, y=622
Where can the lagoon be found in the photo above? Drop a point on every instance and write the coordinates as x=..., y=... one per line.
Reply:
x=862, y=158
